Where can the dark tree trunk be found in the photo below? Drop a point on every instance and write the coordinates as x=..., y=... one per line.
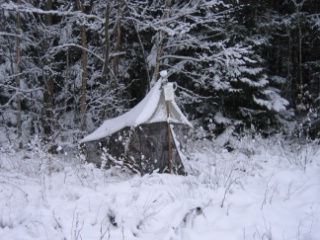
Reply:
x=48, y=80
x=84, y=59
x=17, y=78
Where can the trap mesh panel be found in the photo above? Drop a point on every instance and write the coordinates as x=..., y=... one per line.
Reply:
x=109, y=151
x=143, y=149
x=149, y=147
x=93, y=153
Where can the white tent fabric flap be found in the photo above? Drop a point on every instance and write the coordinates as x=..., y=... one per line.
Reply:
x=150, y=110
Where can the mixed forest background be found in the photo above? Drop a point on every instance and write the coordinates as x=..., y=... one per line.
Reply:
x=66, y=66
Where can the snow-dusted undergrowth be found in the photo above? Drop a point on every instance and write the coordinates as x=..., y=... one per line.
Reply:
x=264, y=189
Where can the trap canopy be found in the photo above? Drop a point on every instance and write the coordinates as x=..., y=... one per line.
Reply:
x=139, y=138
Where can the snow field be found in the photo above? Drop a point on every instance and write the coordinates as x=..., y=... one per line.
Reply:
x=264, y=189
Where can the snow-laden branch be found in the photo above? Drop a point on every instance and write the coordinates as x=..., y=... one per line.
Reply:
x=315, y=20
x=10, y=34
x=193, y=94
x=58, y=48
x=30, y=9
x=21, y=90
x=67, y=45
x=189, y=58
x=182, y=58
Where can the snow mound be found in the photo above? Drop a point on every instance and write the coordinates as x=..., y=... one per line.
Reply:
x=264, y=189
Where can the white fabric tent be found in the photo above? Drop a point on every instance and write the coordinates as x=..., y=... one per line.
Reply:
x=151, y=109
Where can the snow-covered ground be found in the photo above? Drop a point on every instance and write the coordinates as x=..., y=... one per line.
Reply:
x=264, y=189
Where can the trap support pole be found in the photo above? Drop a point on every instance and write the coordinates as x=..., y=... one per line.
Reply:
x=169, y=139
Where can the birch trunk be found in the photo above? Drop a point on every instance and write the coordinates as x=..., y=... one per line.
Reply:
x=105, y=69
x=17, y=79
x=162, y=36
x=48, y=79
x=84, y=76
x=116, y=59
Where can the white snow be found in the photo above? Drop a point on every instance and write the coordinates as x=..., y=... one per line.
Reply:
x=151, y=109
x=219, y=118
x=164, y=73
x=265, y=189
x=275, y=102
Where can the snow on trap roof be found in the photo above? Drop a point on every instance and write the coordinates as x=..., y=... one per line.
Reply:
x=151, y=109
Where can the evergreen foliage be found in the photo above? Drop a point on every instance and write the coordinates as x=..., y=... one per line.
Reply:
x=242, y=64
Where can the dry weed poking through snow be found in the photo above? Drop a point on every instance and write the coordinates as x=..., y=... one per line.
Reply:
x=262, y=189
